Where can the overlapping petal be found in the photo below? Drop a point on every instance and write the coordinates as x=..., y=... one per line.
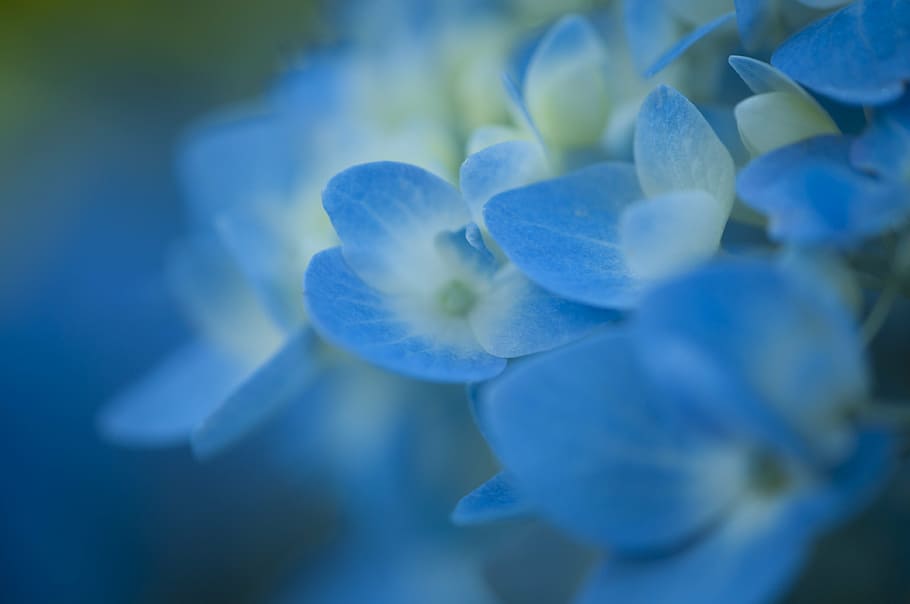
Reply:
x=563, y=233
x=858, y=55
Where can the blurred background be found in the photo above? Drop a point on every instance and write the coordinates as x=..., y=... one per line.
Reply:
x=93, y=98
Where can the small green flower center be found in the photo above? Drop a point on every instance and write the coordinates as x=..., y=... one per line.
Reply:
x=456, y=299
x=768, y=475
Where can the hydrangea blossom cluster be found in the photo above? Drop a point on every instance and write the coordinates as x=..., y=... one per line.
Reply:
x=656, y=240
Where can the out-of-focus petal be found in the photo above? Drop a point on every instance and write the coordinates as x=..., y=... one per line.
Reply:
x=812, y=195
x=495, y=499
x=566, y=86
x=782, y=347
x=595, y=451
x=885, y=147
x=279, y=382
x=165, y=406
x=688, y=42
x=718, y=569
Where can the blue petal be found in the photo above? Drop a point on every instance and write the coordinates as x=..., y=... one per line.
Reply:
x=280, y=381
x=885, y=147
x=563, y=234
x=650, y=29
x=852, y=484
x=499, y=168
x=235, y=159
x=757, y=346
x=858, y=55
x=601, y=455
x=351, y=314
x=164, y=407
x=723, y=122
x=495, y=499
x=754, y=554
x=266, y=256
x=517, y=317
x=812, y=195
x=719, y=569
x=687, y=42
x=676, y=149
x=757, y=21
x=219, y=300
x=388, y=213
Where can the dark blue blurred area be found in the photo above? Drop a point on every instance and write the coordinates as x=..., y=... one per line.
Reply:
x=95, y=98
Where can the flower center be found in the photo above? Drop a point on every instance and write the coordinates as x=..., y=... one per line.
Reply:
x=456, y=299
x=767, y=474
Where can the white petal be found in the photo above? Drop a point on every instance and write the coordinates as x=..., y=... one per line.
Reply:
x=777, y=119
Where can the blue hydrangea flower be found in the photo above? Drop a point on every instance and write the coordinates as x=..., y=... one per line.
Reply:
x=253, y=176
x=576, y=105
x=599, y=234
x=415, y=290
x=859, y=54
x=710, y=482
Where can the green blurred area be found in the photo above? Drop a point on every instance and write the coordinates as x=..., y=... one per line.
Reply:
x=84, y=81
x=58, y=56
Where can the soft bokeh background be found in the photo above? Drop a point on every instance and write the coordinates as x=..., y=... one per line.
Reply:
x=93, y=98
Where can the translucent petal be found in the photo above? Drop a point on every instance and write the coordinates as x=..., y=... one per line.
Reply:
x=676, y=149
